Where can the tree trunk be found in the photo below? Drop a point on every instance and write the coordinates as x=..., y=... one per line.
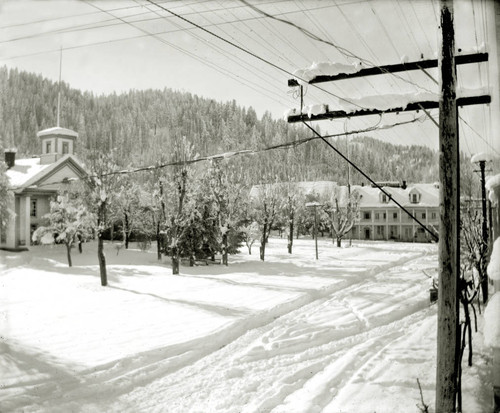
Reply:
x=249, y=249
x=68, y=254
x=102, y=260
x=339, y=242
x=158, y=241
x=80, y=248
x=224, y=248
x=263, y=241
x=290, y=234
x=100, y=244
x=175, y=261
x=126, y=231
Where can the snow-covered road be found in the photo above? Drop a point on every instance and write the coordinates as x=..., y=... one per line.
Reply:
x=348, y=333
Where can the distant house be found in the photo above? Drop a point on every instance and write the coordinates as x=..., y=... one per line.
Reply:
x=35, y=181
x=379, y=217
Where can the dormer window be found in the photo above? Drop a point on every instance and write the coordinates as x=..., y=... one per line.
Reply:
x=415, y=197
x=384, y=198
x=48, y=147
x=65, y=148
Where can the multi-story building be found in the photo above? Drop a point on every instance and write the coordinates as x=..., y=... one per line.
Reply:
x=381, y=219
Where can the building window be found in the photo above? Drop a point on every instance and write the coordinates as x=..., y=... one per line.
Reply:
x=395, y=215
x=377, y=216
x=414, y=198
x=433, y=215
x=65, y=148
x=48, y=147
x=385, y=215
x=385, y=199
x=424, y=215
x=33, y=209
x=367, y=215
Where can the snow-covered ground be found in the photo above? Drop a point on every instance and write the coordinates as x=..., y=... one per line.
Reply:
x=350, y=332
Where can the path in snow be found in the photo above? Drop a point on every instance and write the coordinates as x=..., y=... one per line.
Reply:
x=311, y=353
x=306, y=359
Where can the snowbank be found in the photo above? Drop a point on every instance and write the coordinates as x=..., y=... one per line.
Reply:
x=492, y=322
x=348, y=332
x=494, y=264
x=492, y=183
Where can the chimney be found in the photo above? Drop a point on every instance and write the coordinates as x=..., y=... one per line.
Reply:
x=10, y=157
x=403, y=185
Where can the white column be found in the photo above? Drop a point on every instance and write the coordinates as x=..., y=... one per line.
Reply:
x=27, y=220
x=11, y=226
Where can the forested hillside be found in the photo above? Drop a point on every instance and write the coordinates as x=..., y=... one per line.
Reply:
x=142, y=126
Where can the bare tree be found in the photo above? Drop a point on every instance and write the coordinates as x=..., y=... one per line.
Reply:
x=293, y=199
x=342, y=209
x=101, y=184
x=266, y=203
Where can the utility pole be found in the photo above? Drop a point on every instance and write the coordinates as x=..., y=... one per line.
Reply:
x=485, y=233
x=449, y=253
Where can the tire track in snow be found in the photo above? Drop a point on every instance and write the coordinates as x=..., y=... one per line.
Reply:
x=144, y=369
x=252, y=355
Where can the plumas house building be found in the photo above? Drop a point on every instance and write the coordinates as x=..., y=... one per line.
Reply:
x=35, y=181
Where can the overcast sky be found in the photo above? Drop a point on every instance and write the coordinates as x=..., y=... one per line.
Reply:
x=115, y=46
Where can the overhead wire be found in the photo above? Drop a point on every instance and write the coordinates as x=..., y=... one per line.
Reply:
x=241, y=152
x=341, y=49
x=244, y=50
x=30, y=23
x=375, y=184
x=270, y=47
x=246, y=66
x=210, y=64
x=424, y=32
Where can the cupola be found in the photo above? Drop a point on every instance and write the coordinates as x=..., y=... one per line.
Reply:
x=56, y=142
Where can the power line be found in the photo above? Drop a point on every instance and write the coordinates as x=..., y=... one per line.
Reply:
x=241, y=48
x=241, y=152
x=341, y=49
x=99, y=25
x=210, y=64
x=388, y=194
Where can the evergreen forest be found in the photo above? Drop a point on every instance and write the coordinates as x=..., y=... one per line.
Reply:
x=142, y=127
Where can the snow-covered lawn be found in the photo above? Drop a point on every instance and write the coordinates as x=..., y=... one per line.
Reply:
x=350, y=332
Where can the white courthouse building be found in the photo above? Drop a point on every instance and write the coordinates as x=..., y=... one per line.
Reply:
x=35, y=181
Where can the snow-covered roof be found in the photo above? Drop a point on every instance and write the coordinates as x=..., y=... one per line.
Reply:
x=370, y=197
x=27, y=172
x=317, y=187
x=57, y=130
x=24, y=170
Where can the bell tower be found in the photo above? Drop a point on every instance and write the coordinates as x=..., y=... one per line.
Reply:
x=56, y=142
